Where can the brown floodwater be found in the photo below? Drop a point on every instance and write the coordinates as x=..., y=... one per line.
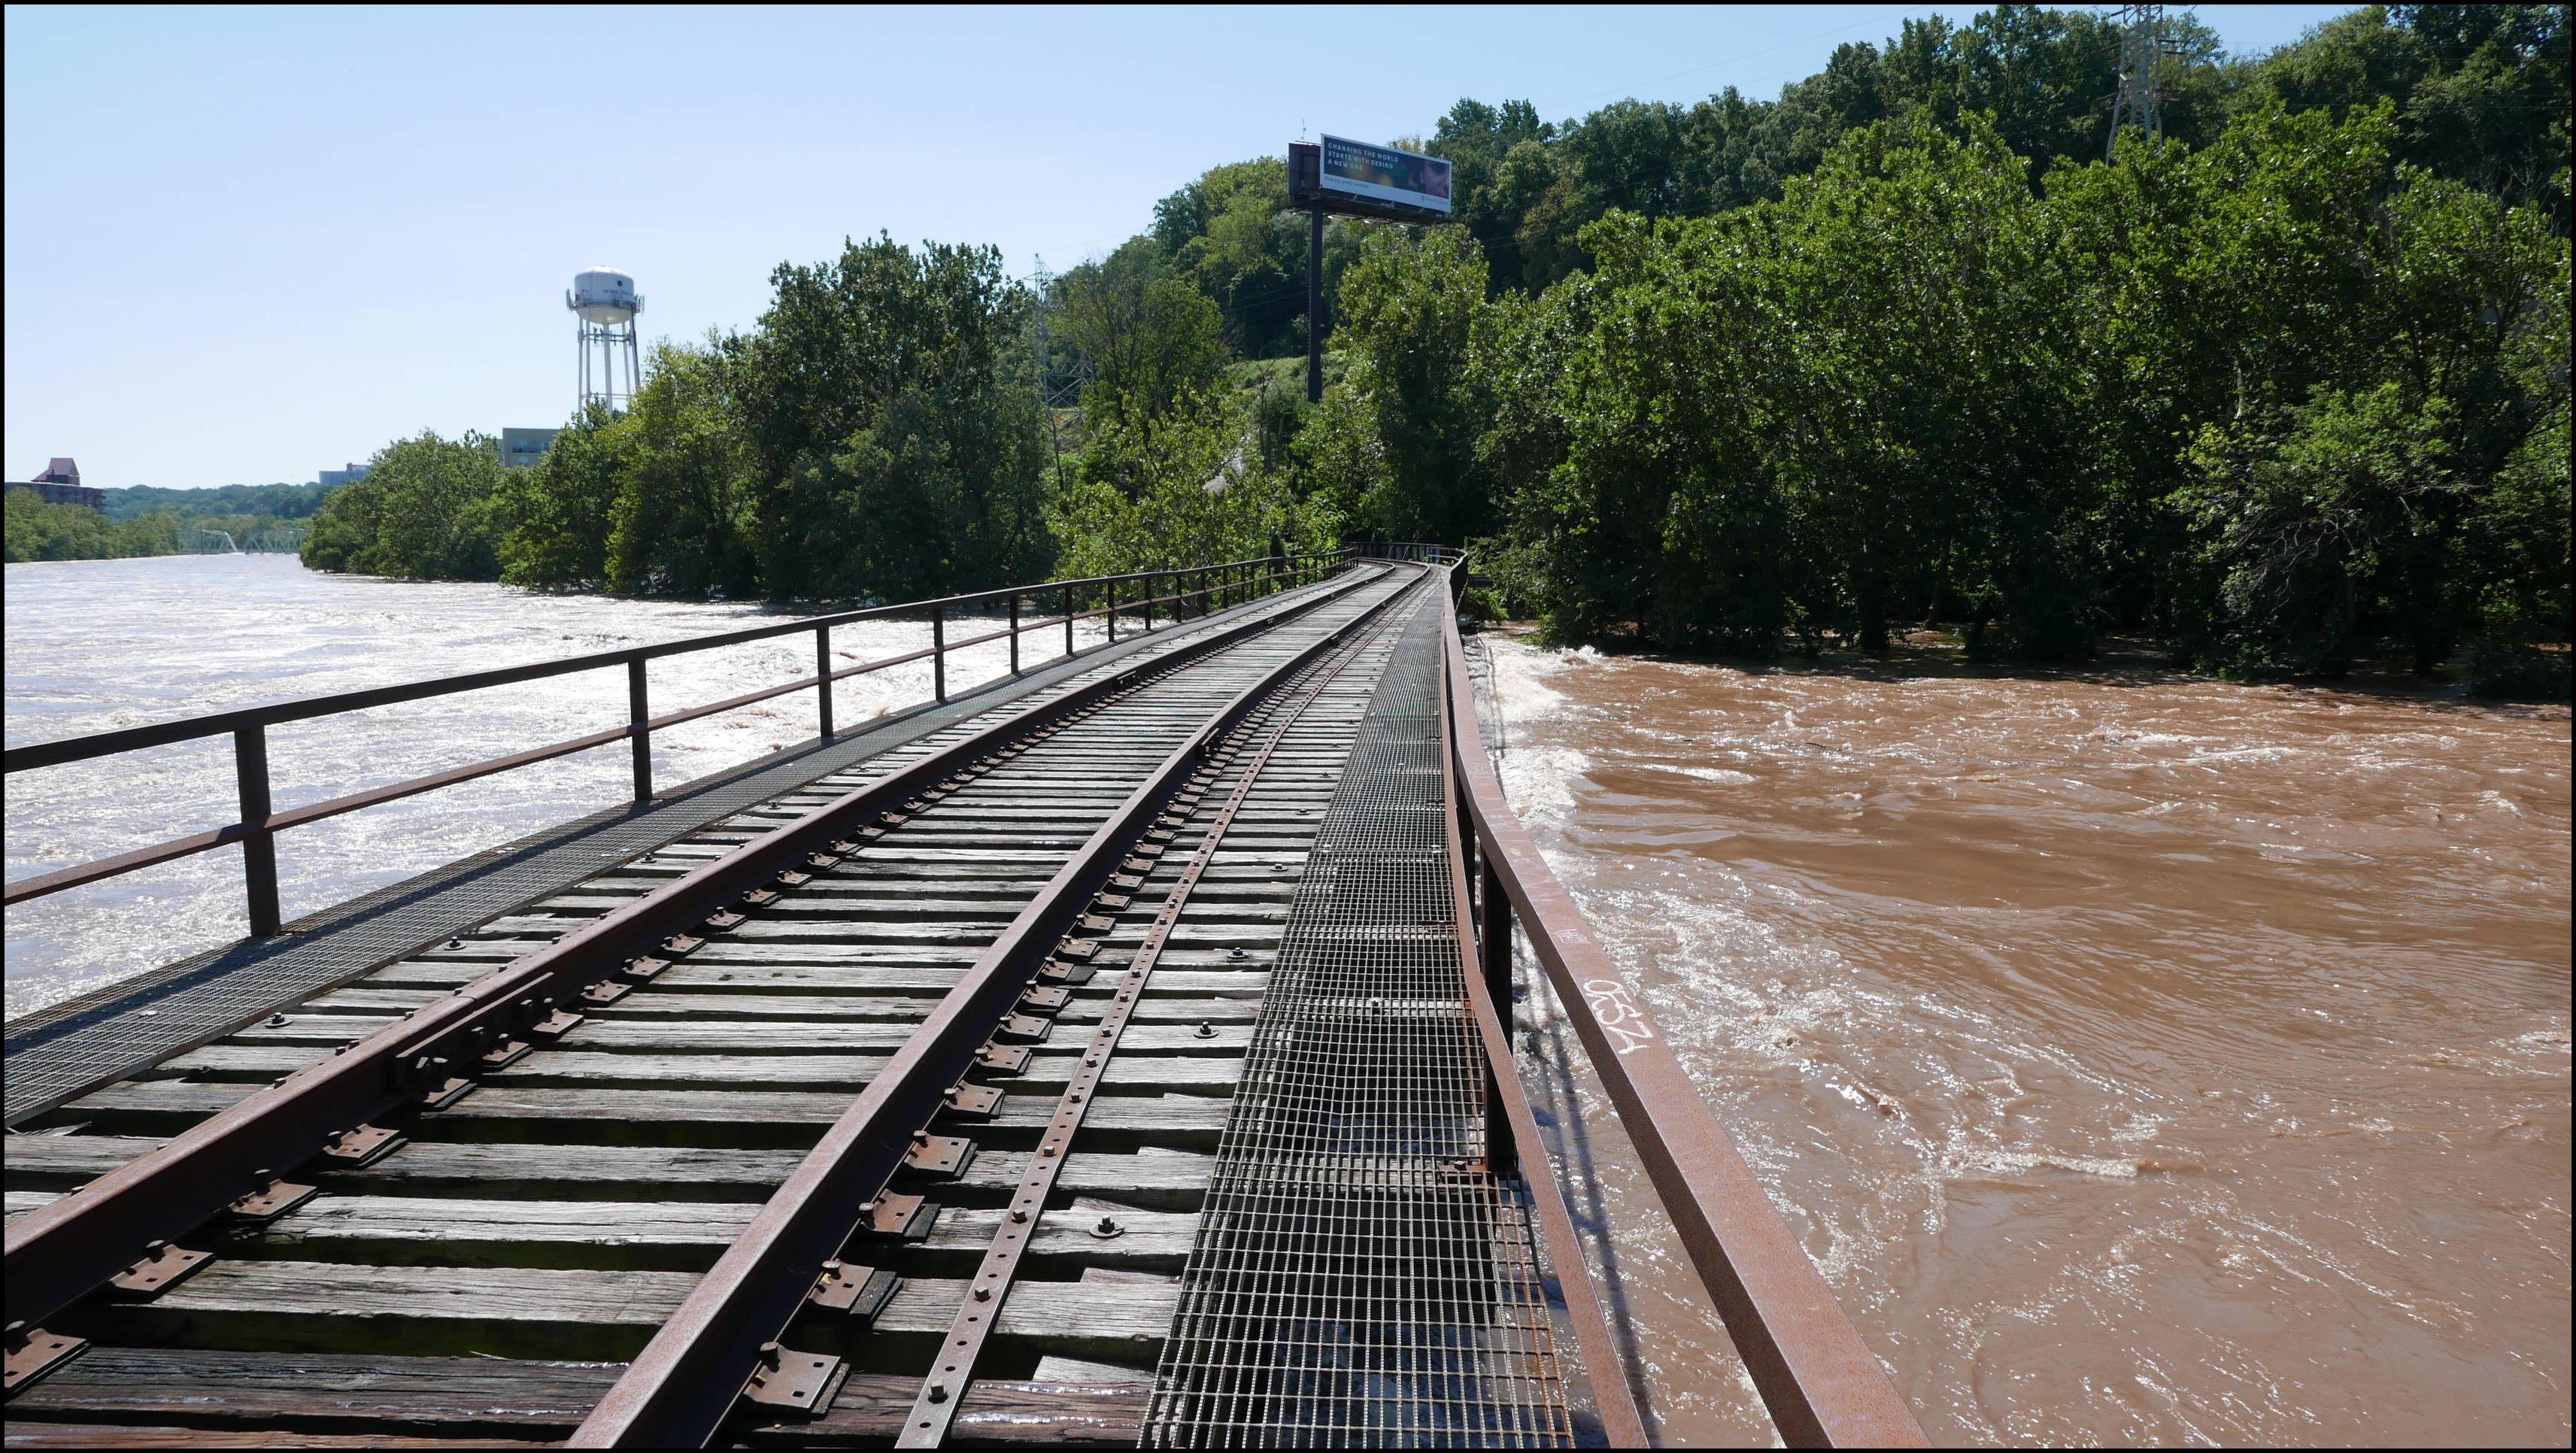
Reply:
x=2144, y=1058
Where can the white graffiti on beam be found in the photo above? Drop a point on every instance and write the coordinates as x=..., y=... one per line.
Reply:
x=1616, y=1015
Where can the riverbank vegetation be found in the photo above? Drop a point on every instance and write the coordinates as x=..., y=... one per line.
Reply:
x=249, y=516
x=144, y=520
x=2287, y=386
x=41, y=531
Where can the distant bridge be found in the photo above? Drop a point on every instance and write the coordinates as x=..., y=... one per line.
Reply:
x=276, y=540
x=1118, y=1052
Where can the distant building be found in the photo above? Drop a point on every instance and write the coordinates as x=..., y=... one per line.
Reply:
x=334, y=478
x=523, y=447
x=60, y=485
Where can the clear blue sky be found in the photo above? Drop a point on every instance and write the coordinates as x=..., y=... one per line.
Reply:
x=246, y=245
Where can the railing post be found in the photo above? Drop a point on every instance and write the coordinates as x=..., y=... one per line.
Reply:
x=1113, y=613
x=639, y=712
x=1494, y=949
x=939, y=652
x=823, y=680
x=1068, y=623
x=1145, y=598
x=259, y=850
x=1015, y=634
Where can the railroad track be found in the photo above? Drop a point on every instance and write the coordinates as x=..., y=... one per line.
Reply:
x=883, y=1111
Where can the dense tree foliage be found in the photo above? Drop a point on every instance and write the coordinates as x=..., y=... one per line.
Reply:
x=41, y=531
x=1904, y=347
x=429, y=509
x=2260, y=397
x=1188, y=487
x=144, y=519
x=1914, y=342
x=279, y=502
x=875, y=435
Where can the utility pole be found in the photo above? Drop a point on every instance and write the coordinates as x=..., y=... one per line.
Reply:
x=1306, y=186
x=1315, y=304
x=2142, y=46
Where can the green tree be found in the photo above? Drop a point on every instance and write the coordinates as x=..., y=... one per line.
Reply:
x=2300, y=514
x=1409, y=308
x=41, y=531
x=891, y=439
x=1151, y=336
x=2480, y=92
x=430, y=508
x=1230, y=233
x=1189, y=491
x=682, y=521
x=561, y=506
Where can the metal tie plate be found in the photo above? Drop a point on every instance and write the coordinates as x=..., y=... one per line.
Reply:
x=856, y=1292
x=33, y=1352
x=1024, y=1029
x=271, y=1201
x=977, y=1101
x=946, y=1156
x=163, y=1268
x=362, y=1146
x=907, y=1218
x=795, y=1381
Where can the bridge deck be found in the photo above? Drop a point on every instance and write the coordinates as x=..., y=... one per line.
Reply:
x=551, y=1222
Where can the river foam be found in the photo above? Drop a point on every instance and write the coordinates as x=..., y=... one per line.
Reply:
x=2145, y=1059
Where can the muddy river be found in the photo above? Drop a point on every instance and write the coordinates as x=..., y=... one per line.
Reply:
x=2146, y=1059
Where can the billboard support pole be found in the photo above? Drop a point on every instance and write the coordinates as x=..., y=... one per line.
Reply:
x=1315, y=303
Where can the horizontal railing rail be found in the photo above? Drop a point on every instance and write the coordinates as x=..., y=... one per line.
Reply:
x=1817, y=1379
x=1403, y=550
x=1175, y=593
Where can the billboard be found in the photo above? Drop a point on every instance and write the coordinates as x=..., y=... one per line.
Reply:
x=1356, y=169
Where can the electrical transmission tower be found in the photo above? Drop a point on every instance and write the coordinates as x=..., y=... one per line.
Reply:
x=1052, y=395
x=2142, y=46
x=1040, y=284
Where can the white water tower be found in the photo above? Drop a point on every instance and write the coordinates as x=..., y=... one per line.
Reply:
x=606, y=302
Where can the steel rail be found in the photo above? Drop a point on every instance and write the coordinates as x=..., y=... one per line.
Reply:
x=1817, y=1378
x=64, y=1250
x=1621, y=1423
x=934, y=1406
x=681, y=1387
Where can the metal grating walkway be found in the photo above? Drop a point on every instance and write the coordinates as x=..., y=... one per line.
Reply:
x=64, y=1050
x=1360, y=1277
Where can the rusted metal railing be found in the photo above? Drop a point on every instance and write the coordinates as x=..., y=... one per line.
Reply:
x=1821, y=1384
x=1177, y=593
